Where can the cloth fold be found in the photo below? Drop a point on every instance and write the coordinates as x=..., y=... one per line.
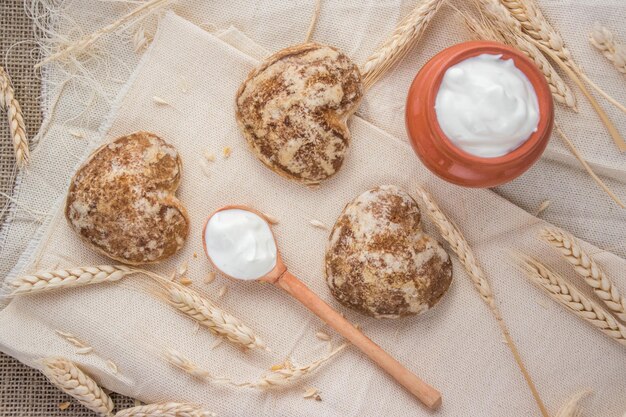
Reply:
x=456, y=347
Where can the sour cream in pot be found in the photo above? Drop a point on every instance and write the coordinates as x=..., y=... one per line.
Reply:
x=486, y=106
x=240, y=244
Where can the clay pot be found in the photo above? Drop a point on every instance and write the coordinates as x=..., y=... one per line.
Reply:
x=439, y=154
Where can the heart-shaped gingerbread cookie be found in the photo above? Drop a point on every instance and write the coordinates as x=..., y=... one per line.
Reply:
x=122, y=200
x=380, y=262
x=293, y=110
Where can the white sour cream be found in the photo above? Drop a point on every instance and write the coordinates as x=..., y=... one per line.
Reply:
x=486, y=106
x=240, y=244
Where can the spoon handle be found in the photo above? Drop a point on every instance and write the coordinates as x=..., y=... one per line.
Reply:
x=424, y=392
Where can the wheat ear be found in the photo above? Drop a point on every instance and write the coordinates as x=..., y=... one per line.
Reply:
x=536, y=26
x=587, y=268
x=533, y=22
x=403, y=38
x=459, y=245
x=572, y=299
x=70, y=379
x=165, y=410
x=604, y=40
x=502, y=27
x=88, y=40
x=17, y=128
x=66, y=278
x=207, y=314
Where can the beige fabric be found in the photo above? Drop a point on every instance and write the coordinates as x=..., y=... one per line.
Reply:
x=456, y=347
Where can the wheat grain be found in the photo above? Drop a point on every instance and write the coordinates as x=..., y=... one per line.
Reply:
x=210, y=278
x=70, y=379
x=572, y=299
x=587, y=268
x=165, y=410
x=604, y=40
x=208, y=314
x=310, y=392
x=181, y=362
x=459, y=245
x=160, y=101
x=17, y=128
x=66, y=278
x=112, y=366
x=87, y=41
x=322, y=336
x=77, y=135
x=72, y=339
x=222, y=291
x=501, y=27
x=318, y=224
x=64, y=405
x=185, y=281
x=227, y=151
x=403, y=38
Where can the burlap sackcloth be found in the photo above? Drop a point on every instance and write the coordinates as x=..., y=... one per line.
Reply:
x=456, y=347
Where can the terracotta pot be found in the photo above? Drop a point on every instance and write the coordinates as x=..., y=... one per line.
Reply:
x=435, y=149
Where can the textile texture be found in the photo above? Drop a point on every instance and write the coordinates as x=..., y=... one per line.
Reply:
x=456, y=347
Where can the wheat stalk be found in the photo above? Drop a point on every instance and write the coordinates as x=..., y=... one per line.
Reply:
x=280, y=375
x=87, y=41
x=289, y=372
x=572, y=407
x=572, y=299
x=587, y=167
x=65, y=278
x=502, y=27
x=459, y=245
x=604, y=40
x=207, y=314
x=17, y=128
x=587, y=268
x=165, y=410
x=403, y=38
x=313, y=22
x=70, y=379
x=536, y=26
